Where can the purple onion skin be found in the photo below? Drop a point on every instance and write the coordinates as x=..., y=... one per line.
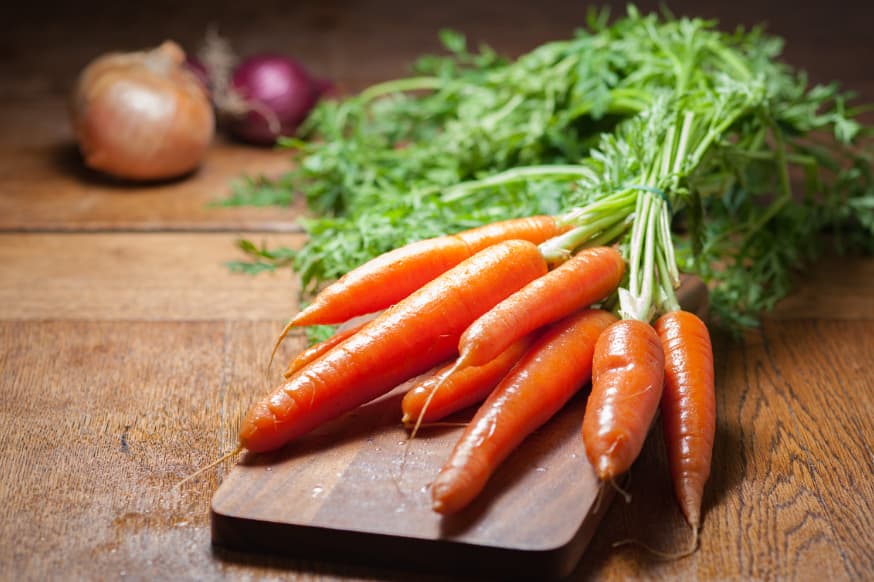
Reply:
x=279, y=84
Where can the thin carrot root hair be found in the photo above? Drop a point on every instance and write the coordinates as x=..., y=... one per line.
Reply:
x=430, y=397
x=625, y=494
x=662, y=555
x=418, y=423
x=282, y=335
x=602, y=489
x=440, y=424
x=235, y=451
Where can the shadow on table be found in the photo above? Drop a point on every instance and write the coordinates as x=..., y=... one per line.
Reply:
x=67, y=160
x=323, y=569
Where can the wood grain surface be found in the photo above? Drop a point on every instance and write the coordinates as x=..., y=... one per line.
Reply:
x=139, y=276
x=128, y=352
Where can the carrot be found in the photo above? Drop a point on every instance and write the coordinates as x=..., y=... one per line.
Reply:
x=627, y=375
x=405, y=340
x=459, y=389
x=316, y=350
x=392, y=276
x=385, y=280
x=554, y=368
x=590, y=275
x=688, y=407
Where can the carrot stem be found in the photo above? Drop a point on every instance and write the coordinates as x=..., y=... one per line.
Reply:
x=513, y=176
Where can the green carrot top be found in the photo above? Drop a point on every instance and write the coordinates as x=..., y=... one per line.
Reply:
x=663, y=134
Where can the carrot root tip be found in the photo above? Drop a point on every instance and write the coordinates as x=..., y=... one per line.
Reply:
x=661, y=555
x=235, y=451
x=625, y=494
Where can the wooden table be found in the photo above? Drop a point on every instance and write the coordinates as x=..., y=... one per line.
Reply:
x=128, y=351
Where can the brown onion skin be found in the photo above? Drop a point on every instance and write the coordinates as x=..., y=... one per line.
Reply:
x=142, y=115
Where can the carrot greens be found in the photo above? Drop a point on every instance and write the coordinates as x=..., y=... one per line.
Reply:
x=700, y=130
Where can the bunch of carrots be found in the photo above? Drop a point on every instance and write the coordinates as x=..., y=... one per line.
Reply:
x=514, y=325
x=521, y=314
x=518, y=315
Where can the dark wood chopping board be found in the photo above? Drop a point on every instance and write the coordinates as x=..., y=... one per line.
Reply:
x=356, y=490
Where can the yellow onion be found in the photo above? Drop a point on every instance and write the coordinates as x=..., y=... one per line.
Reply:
x=142, y=115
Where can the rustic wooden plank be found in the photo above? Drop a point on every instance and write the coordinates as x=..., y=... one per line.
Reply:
x=783, y=532
x=99, y=420
x=790, y=494
x=157, y=276
x=833, y=287
x=45, y=186
x=837, y=383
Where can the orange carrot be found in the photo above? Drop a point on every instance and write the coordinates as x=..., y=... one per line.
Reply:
x=405, y=340
x=316, y=350
x=392, y=276
x=459, y=389
x=555, y=367
x=627, y=375
x=590, y=275
x=688, y=407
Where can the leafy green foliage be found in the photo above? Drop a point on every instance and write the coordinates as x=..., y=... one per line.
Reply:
x=712, y=119
x=261, y=258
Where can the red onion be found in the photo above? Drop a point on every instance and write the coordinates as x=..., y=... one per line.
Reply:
x=278, y=94
x=261, y=98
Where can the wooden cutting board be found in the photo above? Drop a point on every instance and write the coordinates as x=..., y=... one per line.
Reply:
x=356, y=490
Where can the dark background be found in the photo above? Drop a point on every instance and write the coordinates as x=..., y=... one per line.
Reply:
x=43, y=45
